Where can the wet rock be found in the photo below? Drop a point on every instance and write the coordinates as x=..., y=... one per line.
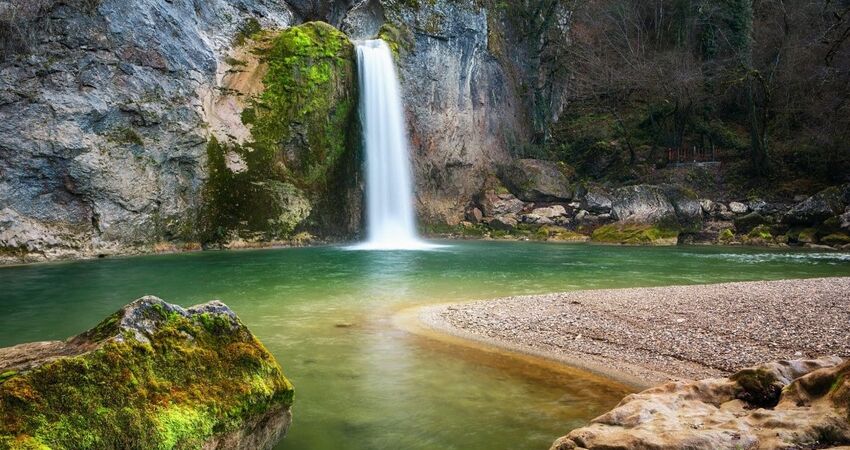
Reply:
x=152, y=375
x=535, y=180
x=787, y=404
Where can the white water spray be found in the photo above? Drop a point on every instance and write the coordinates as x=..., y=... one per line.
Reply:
x=390, y=221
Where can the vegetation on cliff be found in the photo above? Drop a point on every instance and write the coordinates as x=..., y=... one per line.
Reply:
x=303, y=157
x=150, y=376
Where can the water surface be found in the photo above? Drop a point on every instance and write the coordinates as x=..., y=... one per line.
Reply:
x=326, y=313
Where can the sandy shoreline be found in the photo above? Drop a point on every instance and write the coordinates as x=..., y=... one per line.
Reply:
x=645, y=336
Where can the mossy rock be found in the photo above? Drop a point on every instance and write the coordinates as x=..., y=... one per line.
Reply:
x=807, y=236
x=635, y=234
x=726, y=236
x=300, y=170
x=758, y=387
x=559, y=234
x=836, y=239
x=153, y=376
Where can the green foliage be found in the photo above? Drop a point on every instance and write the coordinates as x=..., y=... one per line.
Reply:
x=634, y=234
x=188, y=383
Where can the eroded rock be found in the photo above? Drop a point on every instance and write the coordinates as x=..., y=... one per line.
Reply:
x=782, y=405
x=534, y=180
x=152, y=375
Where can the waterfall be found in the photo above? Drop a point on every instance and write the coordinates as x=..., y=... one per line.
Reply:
x=390, y=221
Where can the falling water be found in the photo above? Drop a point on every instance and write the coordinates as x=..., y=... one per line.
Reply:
x=390, y=222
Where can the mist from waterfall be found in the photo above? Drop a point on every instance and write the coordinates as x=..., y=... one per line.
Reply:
x=390, y=219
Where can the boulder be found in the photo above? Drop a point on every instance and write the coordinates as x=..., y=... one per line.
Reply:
x=738, y=208
x=550, y=212
x=474, y=215
x=152, y=375
x=597, y=200
x=819, y=207
x=844, y=220
x=644, y=204
x=535, y=180
x=707, y=206
x=504, y=223
x=787, y=404
x=836, y=239
x=744, y=224
x=493, y=204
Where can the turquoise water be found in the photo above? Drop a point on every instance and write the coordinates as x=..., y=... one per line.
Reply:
x=360, y=383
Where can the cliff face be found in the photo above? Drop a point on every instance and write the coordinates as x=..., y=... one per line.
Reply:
x=108, y=109
x=102, y=130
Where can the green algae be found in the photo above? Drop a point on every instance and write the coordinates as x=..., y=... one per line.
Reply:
x=634, y=234
x=193, y=378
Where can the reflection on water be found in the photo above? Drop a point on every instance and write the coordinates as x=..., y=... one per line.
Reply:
x=360, y=383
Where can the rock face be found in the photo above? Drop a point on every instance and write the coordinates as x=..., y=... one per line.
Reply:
x=152, y=375
x=533, y=180
x=102, y=125
x=299, y=164
x=783, y=405
x=463, y=108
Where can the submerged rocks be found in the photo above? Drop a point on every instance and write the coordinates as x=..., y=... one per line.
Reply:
x=152, y=375
x=535, y=180
x=787, y=404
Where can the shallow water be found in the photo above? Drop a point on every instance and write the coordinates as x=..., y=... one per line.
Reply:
x=361, y=384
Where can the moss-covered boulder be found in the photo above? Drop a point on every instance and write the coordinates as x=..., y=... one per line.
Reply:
x=152, y=376
x=635, y=234
x=300, y=169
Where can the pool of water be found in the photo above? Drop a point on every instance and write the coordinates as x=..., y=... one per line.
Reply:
x=326, y=314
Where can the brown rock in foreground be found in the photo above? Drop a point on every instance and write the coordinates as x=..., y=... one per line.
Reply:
x=803, y=404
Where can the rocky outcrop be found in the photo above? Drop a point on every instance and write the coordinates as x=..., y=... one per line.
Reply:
x=152, y=375
x=298, y=167
x=783, y=405
x=534, y=180
x=103, y=132
x=463, y=108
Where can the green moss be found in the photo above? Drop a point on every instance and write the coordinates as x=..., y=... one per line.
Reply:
x=836, y=239
x=726, y=236
x=7, y=375
x=807, y=236
x=249, y=29
x=760, y=232
x=634, y=234
x=758, y=387
x=305, y=135
x=398, y=38
x=184, y=386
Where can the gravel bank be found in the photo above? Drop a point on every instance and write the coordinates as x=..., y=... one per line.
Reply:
x=650, y=335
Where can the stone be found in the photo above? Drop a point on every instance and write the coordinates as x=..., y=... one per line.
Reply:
x=474, y=215
x=745, y=223
x=550, y=212
x=786, y=404
x=534, y=180
x=738, y=208
x=597, y=200
x=844, y=220
x=152, y=375
x=496, y=205
x=819, y=207
x=644, y=204
x=635, y=234
x=504, y=223
x=836, y=239
x=536, y=219
x=707, y=206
